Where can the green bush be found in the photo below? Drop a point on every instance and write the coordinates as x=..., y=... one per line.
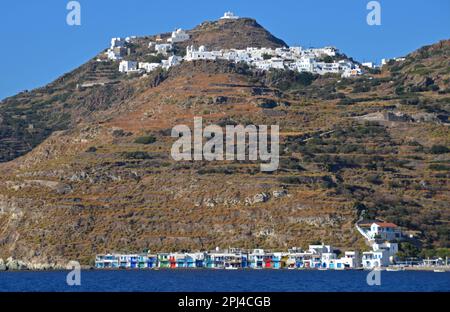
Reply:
x=439, y=167
x=439, y=149
x=136, y=155
x=147, y=139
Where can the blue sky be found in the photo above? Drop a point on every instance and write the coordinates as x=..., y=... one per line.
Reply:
x=37, y=45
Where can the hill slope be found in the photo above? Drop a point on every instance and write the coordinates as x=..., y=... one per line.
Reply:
x=93, y=186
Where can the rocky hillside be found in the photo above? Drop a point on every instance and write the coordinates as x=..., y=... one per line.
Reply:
x=428, y=68
x=95, y=172
x=237, y=34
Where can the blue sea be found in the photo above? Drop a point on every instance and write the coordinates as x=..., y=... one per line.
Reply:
x=223, y=280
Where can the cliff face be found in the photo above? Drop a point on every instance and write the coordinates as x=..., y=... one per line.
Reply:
x=99, y=177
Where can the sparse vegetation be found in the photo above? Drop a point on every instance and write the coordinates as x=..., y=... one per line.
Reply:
x=146, y=139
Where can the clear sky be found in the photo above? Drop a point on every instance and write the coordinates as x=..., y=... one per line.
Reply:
x=37, y=45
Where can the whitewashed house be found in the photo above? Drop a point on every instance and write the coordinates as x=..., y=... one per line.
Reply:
x=390, y=248
x=128, y=66
x=200, y=54
x=117, y=49
x=163, y=48
x=323, y=68
x=229, y=15
x=130, y=39
x=273, y=63
x=375, y=259
x=117, y=42
x=384, y=230
x=116, y=53
x=368, y=64
x=351, y=259
x=330, y=51
x=351, y=72
x=171, y=61
x=319, y=249
x=149, y=67
x=305, y=64
x=178, y=35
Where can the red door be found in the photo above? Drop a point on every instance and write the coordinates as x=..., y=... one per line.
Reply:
x=173, y=263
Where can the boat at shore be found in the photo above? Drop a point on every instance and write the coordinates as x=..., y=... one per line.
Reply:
x=395, y=269
x=439, y=271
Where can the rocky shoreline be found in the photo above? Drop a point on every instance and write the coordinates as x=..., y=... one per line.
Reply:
x=18, y=265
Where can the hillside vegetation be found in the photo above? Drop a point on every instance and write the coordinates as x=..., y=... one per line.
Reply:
x=94, y=174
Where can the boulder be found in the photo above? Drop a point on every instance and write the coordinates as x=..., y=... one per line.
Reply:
x=2, y=265
x=279, y=193
x=15, y=265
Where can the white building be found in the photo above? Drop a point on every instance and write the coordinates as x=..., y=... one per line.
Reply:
x=117, y=49
x=229, y=15
x=323, y=68
x=200, y=54
x=116, y=53
x=128, y=66
x=375, y=259
x=347, y=73
x=163, y=48
x=275, y=63
x=117, y=42
x=178, y=35
x=130, y=39
x=171, y=61
x=368, y=64
x=390, y=248
x=294, y=58
x=149, y=67
x=305, y=64
x=320, y=249
x=351, y=259
x=384, y=230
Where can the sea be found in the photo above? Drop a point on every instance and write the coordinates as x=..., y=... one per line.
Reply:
x=203, y=280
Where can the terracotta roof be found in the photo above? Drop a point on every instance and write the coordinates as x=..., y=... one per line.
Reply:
x=386, y=224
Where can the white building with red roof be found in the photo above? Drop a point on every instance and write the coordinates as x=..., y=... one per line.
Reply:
x=385, y=231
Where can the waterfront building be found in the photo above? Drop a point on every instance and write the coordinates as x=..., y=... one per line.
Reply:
x=328, y=260
x=351, y=259
x=375, y=259
x=232, y=260
x=142, y=261
x=109, y=261
x=276, y=260
x=316, y=257
x=163, y=260
x=256, y=259
x=152, y=261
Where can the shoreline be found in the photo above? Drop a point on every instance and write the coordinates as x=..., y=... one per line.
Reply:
x=384, y=269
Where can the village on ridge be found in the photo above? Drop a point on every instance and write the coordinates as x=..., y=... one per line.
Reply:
x=313, y=60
